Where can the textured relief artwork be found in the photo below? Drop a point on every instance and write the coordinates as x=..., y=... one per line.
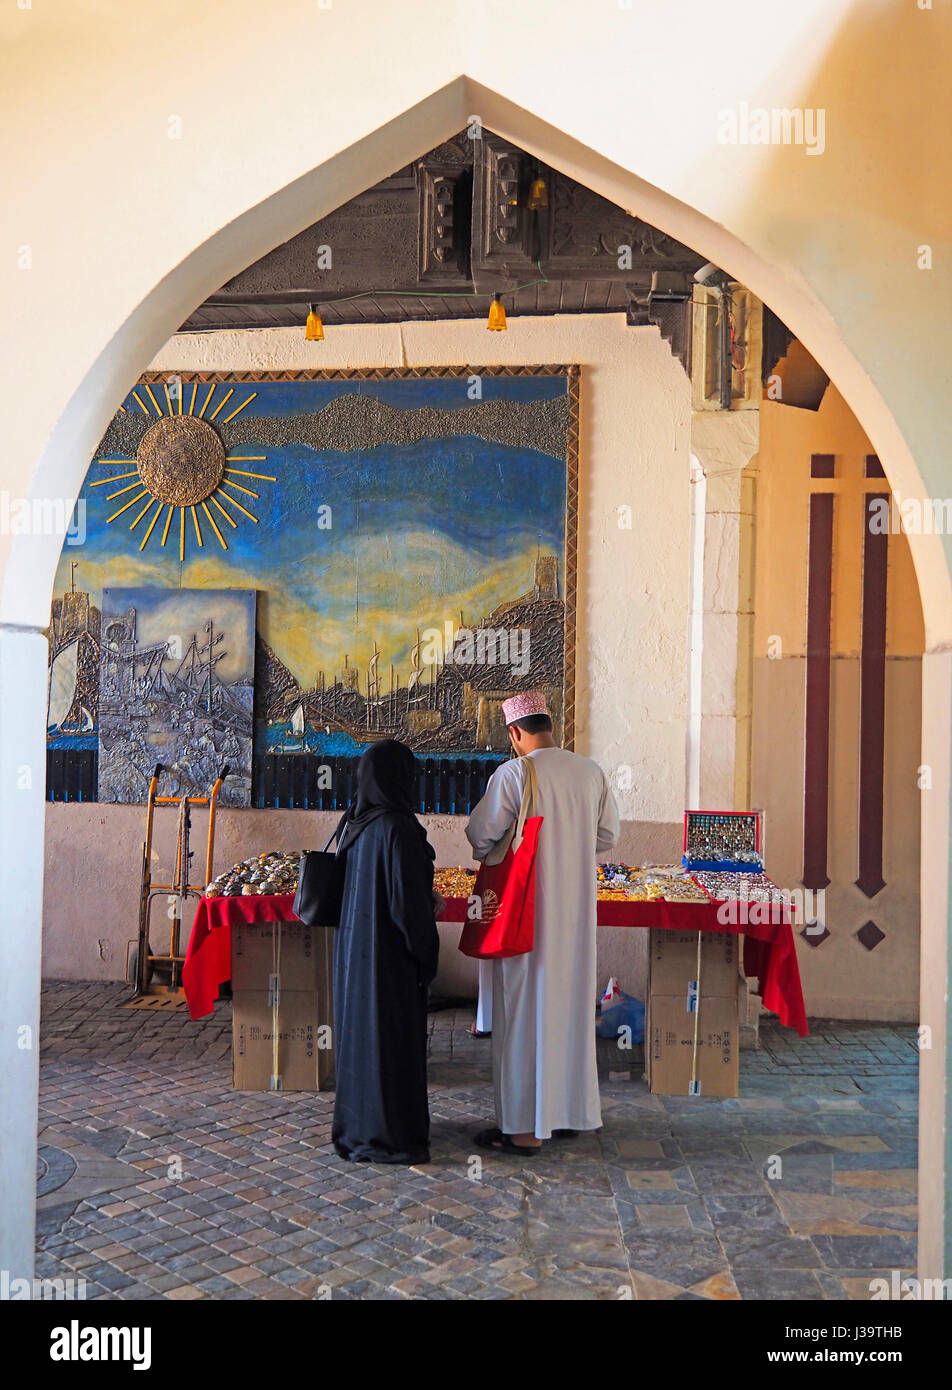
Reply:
x=176, y=687
x=410, y=540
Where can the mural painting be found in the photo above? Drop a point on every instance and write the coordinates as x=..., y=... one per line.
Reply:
x=410, y=539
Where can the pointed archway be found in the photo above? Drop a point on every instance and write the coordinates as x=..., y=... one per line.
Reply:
x=58, y=470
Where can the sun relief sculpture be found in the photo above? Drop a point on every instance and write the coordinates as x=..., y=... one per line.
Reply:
x=181, y=465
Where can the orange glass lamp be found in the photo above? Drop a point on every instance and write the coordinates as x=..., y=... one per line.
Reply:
x=538, y=196
x=314, y=330
x=497, y=316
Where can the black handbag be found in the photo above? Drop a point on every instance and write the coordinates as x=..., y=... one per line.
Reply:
x=320, y=889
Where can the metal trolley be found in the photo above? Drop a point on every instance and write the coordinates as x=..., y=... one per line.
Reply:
x=144, y=963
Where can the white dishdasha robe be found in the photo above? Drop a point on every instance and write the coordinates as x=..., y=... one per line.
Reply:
x=543, y=1003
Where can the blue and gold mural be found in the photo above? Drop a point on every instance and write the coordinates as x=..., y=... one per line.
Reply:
x=410, y=539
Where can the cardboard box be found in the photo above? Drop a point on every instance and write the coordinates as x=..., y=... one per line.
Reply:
x=672, y=958
x=669, y=1045
x=305, y=1037
x=303, y=986
x=305, y=955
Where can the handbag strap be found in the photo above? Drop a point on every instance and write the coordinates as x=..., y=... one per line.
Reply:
x=336, y=833
x=528, y=802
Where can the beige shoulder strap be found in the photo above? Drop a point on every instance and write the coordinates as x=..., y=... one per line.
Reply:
x=513, y=835
x=527, y=807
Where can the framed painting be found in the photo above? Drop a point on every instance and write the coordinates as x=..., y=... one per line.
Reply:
x=409, y=534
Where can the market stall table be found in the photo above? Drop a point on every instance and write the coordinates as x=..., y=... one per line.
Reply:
x=769, y=948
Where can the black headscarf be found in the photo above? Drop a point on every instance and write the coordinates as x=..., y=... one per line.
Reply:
x=386, y=783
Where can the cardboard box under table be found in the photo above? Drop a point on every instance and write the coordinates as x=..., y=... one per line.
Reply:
x=692, y=1025
x=282, y=1006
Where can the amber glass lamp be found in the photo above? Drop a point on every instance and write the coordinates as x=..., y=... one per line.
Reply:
x=497, y=316
x=314, y=331
x=538, y=195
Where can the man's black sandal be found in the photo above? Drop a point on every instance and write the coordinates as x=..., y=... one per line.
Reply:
x=495, y=1139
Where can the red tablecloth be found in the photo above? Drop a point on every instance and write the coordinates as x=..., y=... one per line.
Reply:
x=770, y=954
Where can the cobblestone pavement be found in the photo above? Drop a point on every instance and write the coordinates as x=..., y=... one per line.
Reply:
x=157, y=1180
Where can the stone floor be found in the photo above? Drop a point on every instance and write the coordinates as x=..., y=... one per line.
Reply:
x=157, y=1180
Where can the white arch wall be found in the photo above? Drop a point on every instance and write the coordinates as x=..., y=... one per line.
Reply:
x=117, y=231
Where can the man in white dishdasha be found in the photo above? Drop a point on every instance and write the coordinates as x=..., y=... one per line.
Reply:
x=543, y=1029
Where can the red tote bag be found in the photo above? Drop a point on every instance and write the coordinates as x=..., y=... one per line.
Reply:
x=506, y=890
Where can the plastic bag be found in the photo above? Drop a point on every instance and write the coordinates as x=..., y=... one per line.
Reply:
x=620, y=1010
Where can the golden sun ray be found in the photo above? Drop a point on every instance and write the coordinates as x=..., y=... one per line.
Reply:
x=198, y=531
x=194, y=394
x=126, y=507
x=141, y=406
x=214, y=526
x=235, y=503
x=158, y=408
x=104, y=482
x=152, y=522
x=168, y=523
x=246, y=458
x=211, y=392
x=142, y=514
x=229, y=519
x=240, y=408
x=181, y=553
x=244, y=473
x=222, y=404
x=121, y=490
x=168, y=398
x=238, y=488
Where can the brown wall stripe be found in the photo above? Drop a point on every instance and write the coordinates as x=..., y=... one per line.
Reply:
x=872, y=718
x=816, y=772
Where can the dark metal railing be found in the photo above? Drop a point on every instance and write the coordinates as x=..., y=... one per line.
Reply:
x=446, y=786
x=300, y=781
x=72, y=774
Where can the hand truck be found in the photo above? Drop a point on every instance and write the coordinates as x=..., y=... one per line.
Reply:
x=140, y=970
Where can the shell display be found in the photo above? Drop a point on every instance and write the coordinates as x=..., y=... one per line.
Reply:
x=275, y=871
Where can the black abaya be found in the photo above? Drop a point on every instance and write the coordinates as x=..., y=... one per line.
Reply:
x=385, y=955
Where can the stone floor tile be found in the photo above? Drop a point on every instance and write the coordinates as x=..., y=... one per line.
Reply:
x=653, y=1204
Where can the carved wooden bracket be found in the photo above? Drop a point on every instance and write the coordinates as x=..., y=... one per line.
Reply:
x=503, y=227
x=439, y=241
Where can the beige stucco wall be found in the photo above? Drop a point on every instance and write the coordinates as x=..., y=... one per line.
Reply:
x=841, y=978
x=631, y=634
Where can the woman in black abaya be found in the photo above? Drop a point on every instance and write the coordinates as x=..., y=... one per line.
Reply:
x=385, y=955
